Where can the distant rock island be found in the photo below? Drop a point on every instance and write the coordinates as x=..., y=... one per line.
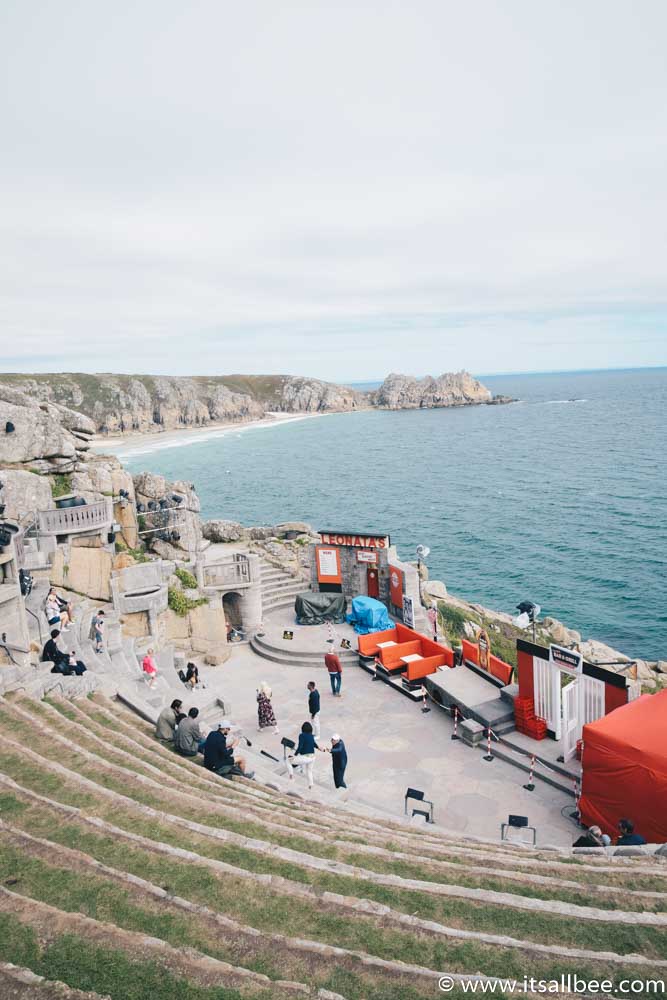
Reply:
x=140, y=403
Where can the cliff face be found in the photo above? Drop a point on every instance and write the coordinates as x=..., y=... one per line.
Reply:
x=117, y=403
x=123, y=403
x=403, y=392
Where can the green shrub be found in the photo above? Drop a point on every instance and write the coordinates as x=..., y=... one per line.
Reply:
x=180, y=604
x=186, y=578
x=452, y=619
x=61, y=484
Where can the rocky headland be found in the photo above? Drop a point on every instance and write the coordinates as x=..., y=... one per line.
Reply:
x=123, y=404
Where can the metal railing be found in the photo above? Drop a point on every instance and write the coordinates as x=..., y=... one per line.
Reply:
x=234, y=571
x=70, y=520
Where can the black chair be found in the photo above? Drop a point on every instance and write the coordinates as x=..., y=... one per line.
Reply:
x=415, y=793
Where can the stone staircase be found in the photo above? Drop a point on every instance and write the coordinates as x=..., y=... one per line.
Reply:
x=279, y=589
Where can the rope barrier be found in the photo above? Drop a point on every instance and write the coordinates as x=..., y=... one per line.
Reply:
x=530, y=786
x=455, y=709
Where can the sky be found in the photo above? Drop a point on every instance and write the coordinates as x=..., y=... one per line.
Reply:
x=337, y=190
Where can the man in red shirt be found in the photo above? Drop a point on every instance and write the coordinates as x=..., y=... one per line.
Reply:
x=335, y=668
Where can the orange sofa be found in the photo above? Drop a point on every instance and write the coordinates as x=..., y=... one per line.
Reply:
x=407, y=641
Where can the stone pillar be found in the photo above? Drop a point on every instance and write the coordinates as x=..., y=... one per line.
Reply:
x=251, y=598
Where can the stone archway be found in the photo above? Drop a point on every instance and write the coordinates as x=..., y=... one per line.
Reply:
x=231, y=605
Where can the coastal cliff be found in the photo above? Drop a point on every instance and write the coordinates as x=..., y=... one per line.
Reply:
x=123, y=403
x=139, y=403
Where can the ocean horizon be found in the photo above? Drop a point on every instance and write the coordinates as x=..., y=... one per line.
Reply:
x=560, y=498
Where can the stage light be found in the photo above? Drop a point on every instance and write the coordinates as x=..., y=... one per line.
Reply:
x=528, y=614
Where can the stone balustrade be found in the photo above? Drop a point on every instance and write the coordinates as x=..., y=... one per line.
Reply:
x=72, y=520
x=234, y=571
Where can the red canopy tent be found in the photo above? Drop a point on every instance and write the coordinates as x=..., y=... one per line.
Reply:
x=625, y=768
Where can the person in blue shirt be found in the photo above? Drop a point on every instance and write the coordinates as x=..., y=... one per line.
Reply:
x=305, y=751
x=627, y=836
x=314, y=708
x=338, y=760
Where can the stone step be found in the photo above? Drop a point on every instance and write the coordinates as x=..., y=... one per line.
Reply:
x=347, y=656
x=294, y=660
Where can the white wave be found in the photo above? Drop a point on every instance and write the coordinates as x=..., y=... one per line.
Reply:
x=551, y=402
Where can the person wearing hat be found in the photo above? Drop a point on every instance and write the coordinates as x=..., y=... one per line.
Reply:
x=338, y=760
x=219, y=750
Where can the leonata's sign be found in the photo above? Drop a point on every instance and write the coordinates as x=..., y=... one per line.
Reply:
x=355, y=541
x=570, y=661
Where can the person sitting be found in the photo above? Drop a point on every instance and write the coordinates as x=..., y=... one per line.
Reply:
x=591, y=838
x=75, y=666
x=191, y=675
x=64, y=605
x=188, y=737
x=52, y=654
x=149, y=667
x=55, y=616
x=219, y=751
x=627, y=836
x=167, y=721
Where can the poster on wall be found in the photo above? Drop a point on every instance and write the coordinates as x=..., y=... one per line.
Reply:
x=408, y=611
x=328, y=565
x=396, y=586
x=367, y=556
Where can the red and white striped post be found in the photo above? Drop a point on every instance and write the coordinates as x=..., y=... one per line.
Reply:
x=530, y=787
x=375, y=672
x=488, y=756
x=455, y=734
x=425, y=707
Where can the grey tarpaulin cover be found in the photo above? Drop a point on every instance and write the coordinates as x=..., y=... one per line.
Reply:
x=314, y=608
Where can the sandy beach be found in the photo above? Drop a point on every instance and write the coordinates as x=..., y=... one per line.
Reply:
x=129, y=445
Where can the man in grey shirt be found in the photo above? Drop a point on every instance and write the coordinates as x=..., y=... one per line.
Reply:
x=188, y=735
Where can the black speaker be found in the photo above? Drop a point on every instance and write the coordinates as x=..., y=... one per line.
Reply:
x=517, y=820
x=290, y=744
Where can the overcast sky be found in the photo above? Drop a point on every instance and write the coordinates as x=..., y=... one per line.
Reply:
x=332, y=189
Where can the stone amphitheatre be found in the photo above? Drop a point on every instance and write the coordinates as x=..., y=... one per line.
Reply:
x=132, y=873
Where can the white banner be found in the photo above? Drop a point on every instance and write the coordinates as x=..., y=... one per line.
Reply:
x=408, y=611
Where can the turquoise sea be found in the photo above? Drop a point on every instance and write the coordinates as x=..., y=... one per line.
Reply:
x=560, y=498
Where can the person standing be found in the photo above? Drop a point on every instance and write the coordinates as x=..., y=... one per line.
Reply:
x=338, y=760
x=314, y=708
x=97, y=630
x=265, y=715
x=335, y=668
x=305, y=752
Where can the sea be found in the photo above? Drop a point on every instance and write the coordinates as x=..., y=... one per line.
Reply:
x=559, y=498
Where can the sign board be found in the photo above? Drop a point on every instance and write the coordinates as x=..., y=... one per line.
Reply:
x=328, y=565
x=396, y=586
x=570, y=661
x=367, y=556
x=408, y=611
x=484, y=650
x=352, y=540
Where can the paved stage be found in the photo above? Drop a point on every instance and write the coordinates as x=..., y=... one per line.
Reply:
x=391, y=744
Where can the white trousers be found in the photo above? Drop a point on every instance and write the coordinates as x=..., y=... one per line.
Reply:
x=315, y=719
x=306, y=763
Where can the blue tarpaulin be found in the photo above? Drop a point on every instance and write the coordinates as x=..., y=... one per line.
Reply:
x=369, y=615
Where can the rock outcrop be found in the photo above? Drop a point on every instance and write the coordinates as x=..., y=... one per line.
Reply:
x=403, y=392
x=46, y=436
